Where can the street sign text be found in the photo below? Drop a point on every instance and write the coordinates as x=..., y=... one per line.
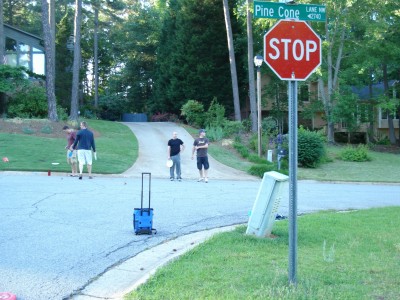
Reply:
x=275, y=10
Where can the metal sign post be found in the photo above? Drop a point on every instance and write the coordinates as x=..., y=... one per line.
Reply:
x=292, y=181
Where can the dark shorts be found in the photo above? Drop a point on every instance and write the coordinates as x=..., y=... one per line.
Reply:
x=202, y=161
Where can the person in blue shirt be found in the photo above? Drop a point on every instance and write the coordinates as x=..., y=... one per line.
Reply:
x=84, y=143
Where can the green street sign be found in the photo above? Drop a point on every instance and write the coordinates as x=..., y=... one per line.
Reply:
x=303, y=12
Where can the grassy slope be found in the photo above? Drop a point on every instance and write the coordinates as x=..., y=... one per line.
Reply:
x=116, y=150
x=335, y=261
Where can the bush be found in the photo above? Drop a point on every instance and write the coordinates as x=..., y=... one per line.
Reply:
x=310, y=148
x=254, y=158
x=246, y=123
x=30, y=102
x=215, y=116
x=47, y=129
x=193, y=111
x=269, y=126
x=253, y=142
x=356, y=154
x=62, y=113
x=232, y=128
x=260, y=169
x=215, y=133
x=111, y=106
x=243, y=150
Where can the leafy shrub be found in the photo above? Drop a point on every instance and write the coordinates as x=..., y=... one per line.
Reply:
x=215, y=133
x=47, y=129
x=193, y=111
x=269, y=125
x=243, y=150
x=62, y=113
x=260, y=169
x=383, y=141
x=254, y=158
x=246, y=125
x=30, y=102
x=28, y=130
x=215, y=116
x=310, y=148
x=111, y=106
x=356, y=154
x=233, y=127
x=253, y=142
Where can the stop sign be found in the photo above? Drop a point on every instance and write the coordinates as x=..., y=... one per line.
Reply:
x=292, y=50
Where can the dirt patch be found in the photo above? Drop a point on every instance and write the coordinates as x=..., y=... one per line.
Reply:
x=36, y=127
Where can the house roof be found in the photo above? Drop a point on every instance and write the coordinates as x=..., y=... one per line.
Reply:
x=23, y=36
x=377, y=90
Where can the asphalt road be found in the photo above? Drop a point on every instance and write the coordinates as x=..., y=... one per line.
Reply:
x=58, y=234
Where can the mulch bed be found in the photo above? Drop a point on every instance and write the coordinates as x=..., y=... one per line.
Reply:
x=36, y=127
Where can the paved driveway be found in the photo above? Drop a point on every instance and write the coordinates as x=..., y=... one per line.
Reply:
x=58, y=234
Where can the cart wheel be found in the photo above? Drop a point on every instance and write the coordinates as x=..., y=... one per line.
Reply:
x=7, y=296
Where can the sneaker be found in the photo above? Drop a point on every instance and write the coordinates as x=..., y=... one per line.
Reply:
x=172, y=179
x=206, y=180
x=200, y=179
x=179, y=179
x=80, y=177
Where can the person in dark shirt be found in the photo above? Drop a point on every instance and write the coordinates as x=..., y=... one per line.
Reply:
x=175, y=147
x=84, y=143
x=200, y=146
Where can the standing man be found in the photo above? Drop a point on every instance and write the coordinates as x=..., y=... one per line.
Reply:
x=85, y=141
x=201, y=146
x=175, y=147
x=71, y=155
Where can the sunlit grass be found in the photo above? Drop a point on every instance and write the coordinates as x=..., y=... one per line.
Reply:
x=117, y=150
x=352, y=255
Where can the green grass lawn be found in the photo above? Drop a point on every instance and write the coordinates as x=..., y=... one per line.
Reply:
x=116, y=147
x=384, y=167
x=353, y=255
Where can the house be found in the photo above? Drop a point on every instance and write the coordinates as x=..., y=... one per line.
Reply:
x=316, y=119
x=24, y=49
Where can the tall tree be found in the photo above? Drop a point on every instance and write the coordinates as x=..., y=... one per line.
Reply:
x=250, y=65
x=2, y=49
x=232, y=61
x=192, y=58
x=48, y=40
x=77, y=62
x=95, y=54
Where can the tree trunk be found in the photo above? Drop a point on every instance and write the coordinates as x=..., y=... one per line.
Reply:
x=250, y=57
x=2, y=49
x=96, y=64
x=392, y=136
x=2, y=59
x=50, y=84
x=52, y=22
x=232, y=61
x=77, y=60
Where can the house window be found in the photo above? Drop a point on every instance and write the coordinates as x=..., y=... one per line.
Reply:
x=384, y=114
x=22, y=54
x=304, y=94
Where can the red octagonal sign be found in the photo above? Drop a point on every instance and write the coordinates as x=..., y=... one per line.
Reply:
x=292, y=50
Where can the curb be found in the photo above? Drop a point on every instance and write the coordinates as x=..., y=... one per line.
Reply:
x=129, y=275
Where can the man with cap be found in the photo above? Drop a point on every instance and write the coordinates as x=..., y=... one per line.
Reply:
x=200, y=145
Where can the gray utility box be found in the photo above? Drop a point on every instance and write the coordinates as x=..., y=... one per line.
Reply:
x=274, y=188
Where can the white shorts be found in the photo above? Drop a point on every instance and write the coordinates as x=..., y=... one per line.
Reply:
x=85, y=157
